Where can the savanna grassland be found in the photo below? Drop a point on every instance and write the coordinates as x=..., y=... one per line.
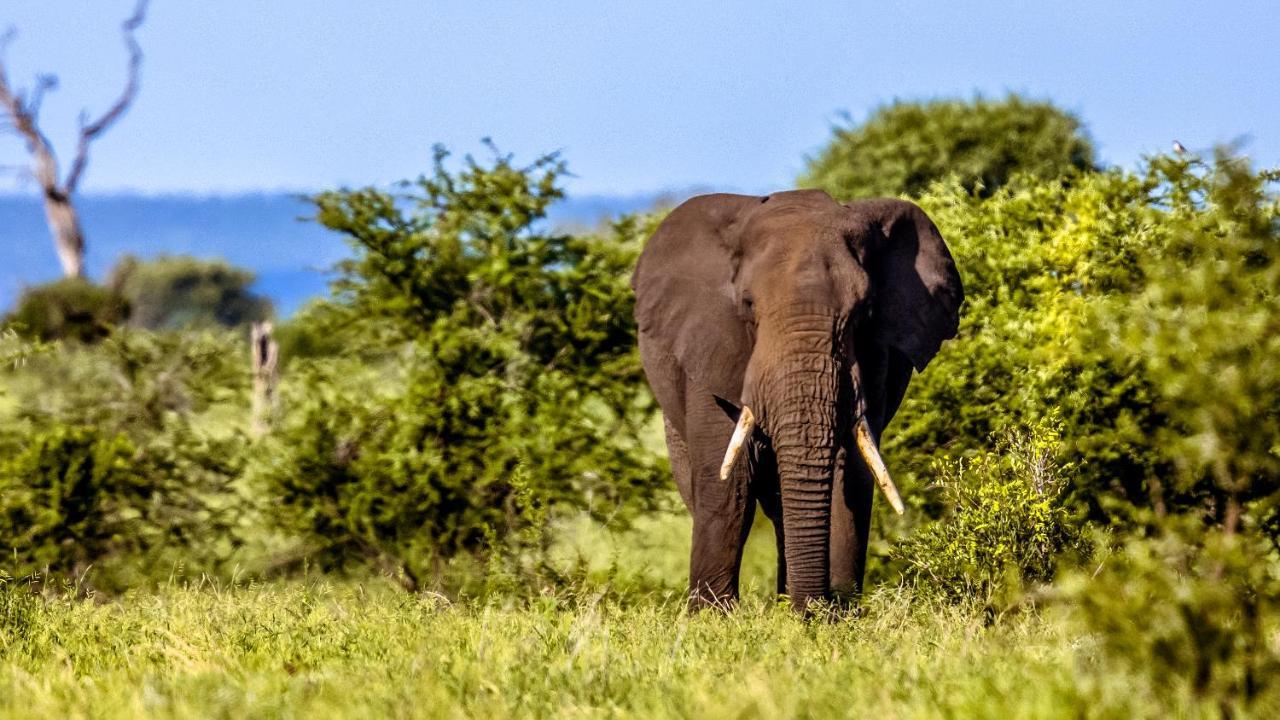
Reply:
x=454, y=500
x=318, y=649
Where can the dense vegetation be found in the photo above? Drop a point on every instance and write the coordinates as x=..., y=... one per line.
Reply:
x=903, y=147
x=1092, y=468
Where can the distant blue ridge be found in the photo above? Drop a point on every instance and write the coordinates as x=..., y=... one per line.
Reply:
x=263, y=232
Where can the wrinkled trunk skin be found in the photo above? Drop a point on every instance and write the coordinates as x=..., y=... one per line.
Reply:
x=68, y=239
x=803, y=419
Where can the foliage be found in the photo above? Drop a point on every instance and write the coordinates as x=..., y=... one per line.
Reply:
x=901, y=148
x=15, y=350
x=1066, y=282
x=1198, y=617
x=172, y=292
x=1006, y=523
x=117, y=456
x=476, y=348
x=68, y=309
x=1205, y=329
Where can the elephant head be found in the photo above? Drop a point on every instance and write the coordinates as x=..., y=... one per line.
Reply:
x=778, y=305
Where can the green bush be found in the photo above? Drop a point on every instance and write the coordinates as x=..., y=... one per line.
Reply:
x=72, y=497
x=902, y=148
x=173, y=292
x=1205, y=331
x=69, y=309
x=473, y=348
x=1198, y=618
x=123, y=456
x=1005, y=524
x=1082, y=297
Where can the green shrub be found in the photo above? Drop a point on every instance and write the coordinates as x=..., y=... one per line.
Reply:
x=902, y=148
x=473, y=348
x=1005, y=523
x=1205, y=331
x=123, y=456
x=72, y=497
x=69, y=309
x=1087, y=299
x=1198, y=617
x=171, y=292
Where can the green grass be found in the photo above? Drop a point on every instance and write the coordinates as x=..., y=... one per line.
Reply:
x=320, y=649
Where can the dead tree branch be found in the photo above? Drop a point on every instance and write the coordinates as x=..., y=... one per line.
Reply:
x=23, y=110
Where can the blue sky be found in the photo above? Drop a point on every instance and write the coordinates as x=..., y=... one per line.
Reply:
x=296, y=95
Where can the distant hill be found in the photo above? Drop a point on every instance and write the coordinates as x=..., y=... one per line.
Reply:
x=263, y=232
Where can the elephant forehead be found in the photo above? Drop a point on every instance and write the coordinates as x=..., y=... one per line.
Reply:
x=792, y=228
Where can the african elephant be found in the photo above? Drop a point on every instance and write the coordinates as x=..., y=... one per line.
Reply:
x=779, y=334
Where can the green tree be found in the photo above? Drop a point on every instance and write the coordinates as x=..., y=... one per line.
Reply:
x=1140, y=309
x=485, y=364
x=1205, y=329
x=171, y=292
x=903, y=147
x=68, y=309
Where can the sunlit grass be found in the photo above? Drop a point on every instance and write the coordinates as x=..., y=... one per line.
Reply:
x=319, y=649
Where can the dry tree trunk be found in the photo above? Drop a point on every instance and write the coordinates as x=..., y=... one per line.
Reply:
x=68, y=240
x=264, y=360
x=22, y=110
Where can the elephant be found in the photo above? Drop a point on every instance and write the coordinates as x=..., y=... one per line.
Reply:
x=778, y=334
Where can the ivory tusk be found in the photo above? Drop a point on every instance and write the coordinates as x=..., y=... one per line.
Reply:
x=746, y=422
x=871, y=454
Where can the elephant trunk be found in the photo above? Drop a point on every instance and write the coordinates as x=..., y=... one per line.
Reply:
x=803, y=428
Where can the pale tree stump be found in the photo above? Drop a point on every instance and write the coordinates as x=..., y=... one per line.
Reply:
x=264, y=360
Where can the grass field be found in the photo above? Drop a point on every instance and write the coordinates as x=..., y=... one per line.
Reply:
x=320, y=650
x=323, y=647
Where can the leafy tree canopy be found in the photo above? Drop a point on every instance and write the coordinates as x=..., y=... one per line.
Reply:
x=903, y=147
x=171, y=292
x=482, y=366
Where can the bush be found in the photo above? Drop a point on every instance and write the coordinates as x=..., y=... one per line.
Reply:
x=475, y=349
x=1195, y=617
x=902, y=148
x=173, y=292
x=1081, y=300
x=69, y=309
x=1205, y=331
x=1005, y=523
x=123, y=456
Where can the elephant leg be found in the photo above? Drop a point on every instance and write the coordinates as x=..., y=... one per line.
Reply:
x=722, y=509
x=678, y=453
x=767, y=491
x=886, y=374
x=850, y=527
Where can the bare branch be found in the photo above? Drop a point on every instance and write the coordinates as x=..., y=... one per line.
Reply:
x=90, y=130
x=23, y=122
x=44, y=82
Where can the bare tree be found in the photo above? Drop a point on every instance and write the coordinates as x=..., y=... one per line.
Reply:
x=22, y=109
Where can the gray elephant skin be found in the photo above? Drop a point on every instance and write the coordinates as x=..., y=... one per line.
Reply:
x=779, y=334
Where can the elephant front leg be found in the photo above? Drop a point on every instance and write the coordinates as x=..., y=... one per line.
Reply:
x=850, y=527
x=722, y=510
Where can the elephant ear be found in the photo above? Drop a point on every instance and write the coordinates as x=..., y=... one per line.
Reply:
x=685, y=298
x=917, y=288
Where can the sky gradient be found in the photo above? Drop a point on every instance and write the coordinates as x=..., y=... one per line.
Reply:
x=239, y=96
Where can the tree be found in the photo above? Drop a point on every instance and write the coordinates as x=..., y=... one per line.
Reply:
x=903, y=147
x=22, y=109
x=1206, y=330
x=68, y=309
x=486, y=368
x=171, y=292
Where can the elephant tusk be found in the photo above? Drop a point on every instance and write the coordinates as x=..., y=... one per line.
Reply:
x=746, y=422
x=871, y=454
